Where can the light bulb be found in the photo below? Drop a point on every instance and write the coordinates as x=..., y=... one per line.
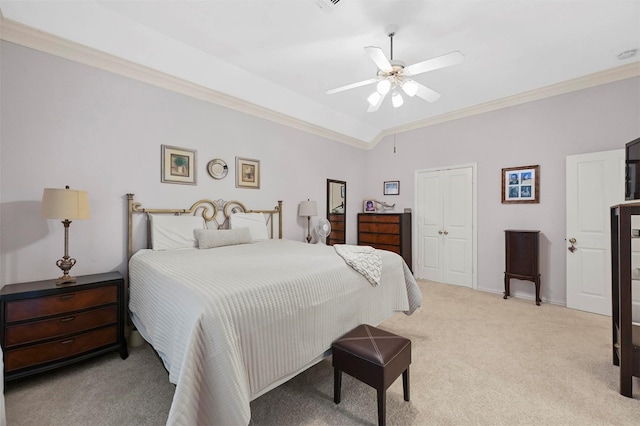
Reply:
x=410, y=88
x=384, y=86
x=397, y=100
x=374, y=98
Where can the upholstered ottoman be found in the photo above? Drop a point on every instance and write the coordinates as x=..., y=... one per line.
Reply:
x=375, y=357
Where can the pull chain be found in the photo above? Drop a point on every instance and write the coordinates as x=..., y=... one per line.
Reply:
x=394, y=130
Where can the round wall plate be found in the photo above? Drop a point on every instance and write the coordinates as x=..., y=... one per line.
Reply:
x=217, y=168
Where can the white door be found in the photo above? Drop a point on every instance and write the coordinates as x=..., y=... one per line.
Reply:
x=595, y=182
x=445, y=226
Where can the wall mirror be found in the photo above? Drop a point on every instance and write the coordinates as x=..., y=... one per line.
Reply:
x=336, y=210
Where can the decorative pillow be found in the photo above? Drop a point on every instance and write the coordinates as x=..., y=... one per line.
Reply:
x=208, y=238
x=170, y=232
x=254, y=221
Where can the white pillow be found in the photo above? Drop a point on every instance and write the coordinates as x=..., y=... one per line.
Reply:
x=173, y=232
x=208, y=238
x=254, y=221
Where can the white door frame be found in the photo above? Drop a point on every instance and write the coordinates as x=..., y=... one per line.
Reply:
x=474, y=213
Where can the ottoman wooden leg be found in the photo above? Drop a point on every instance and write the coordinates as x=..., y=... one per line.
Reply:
x=337, y=384
x=405, y=384
x=382, y=407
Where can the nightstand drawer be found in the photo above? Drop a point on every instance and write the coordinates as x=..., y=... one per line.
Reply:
x=60, y=349
x=25, y=309
x=57, y=327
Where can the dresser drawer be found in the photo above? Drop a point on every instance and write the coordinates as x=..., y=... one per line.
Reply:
x=379, y=239
x=60, y=349
x=379, y=218
x=57, y=327
x=18, y=310
x=385, y=228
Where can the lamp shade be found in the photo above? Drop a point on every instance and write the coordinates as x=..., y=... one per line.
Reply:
x=308, y=208
x=64, y=204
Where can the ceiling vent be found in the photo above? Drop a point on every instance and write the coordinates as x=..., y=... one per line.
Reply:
x=327, y=5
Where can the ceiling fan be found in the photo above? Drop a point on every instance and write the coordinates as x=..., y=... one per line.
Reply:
x=393, y=75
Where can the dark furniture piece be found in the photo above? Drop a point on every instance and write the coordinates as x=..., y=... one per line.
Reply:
x=337, y=235
x=375, y=357
x=522, y=259
x=387, y=231
x=44, y=326
x=626, y=335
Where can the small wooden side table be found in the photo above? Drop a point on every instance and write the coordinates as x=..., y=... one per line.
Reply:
x=522, y=259
x=45, y=326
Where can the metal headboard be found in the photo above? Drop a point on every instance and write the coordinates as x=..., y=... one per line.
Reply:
x=208, y=209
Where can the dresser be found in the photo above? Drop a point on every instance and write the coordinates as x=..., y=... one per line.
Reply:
x=522, y=259
x=44, y=326
x=387, y=231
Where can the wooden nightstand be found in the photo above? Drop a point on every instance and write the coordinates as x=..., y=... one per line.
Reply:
x=44, y=326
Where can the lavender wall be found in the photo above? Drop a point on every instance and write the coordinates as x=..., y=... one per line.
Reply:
x=542, y=132
x=68, y=124
x=64, y=123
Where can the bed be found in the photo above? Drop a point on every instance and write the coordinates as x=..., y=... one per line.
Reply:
x=234, y=321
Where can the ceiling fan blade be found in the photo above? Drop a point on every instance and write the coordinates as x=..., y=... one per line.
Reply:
x=381, y=61
x=427, y=94
x=354, y=85
x=443, y=61
x=374, y=108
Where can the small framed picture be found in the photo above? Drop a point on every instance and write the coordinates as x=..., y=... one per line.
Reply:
x=247, y=173
x=392, y=187
x=369, y=206
x=178, y=165
x=521, y=185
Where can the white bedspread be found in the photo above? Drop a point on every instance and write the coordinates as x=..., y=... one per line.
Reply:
x=231, y=323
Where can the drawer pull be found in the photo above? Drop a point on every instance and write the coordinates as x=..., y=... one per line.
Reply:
x=66, y=296
x=67, y=319
x=66, y=342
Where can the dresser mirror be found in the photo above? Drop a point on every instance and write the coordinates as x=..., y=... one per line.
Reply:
x=336, y=208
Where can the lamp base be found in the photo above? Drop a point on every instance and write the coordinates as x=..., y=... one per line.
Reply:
x=65, y=279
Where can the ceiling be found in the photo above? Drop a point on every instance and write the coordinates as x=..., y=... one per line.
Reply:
x=284, y=55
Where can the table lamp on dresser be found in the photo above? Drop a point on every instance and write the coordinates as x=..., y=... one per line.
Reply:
x=66, y=204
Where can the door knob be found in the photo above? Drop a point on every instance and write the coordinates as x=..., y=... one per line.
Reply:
x=572, y=248
x=446, y=232
x=440, y=232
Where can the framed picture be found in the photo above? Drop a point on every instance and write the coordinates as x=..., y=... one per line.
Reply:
x=392, y=187
x=369, y=206
x=178, y=165
x=521, y=185
x=247, y=173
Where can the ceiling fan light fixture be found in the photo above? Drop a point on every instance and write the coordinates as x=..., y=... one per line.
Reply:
x=374, y=98
x=410, y=88
x=383, y=86
x=396, y=100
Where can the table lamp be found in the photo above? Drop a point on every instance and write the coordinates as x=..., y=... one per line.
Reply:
x=65, y=204
x=308, y=209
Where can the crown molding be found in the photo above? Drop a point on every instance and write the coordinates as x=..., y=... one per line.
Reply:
x=26, y=36
x=23, y=35
x=591, y=80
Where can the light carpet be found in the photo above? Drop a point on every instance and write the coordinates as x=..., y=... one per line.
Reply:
x=477, y=360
